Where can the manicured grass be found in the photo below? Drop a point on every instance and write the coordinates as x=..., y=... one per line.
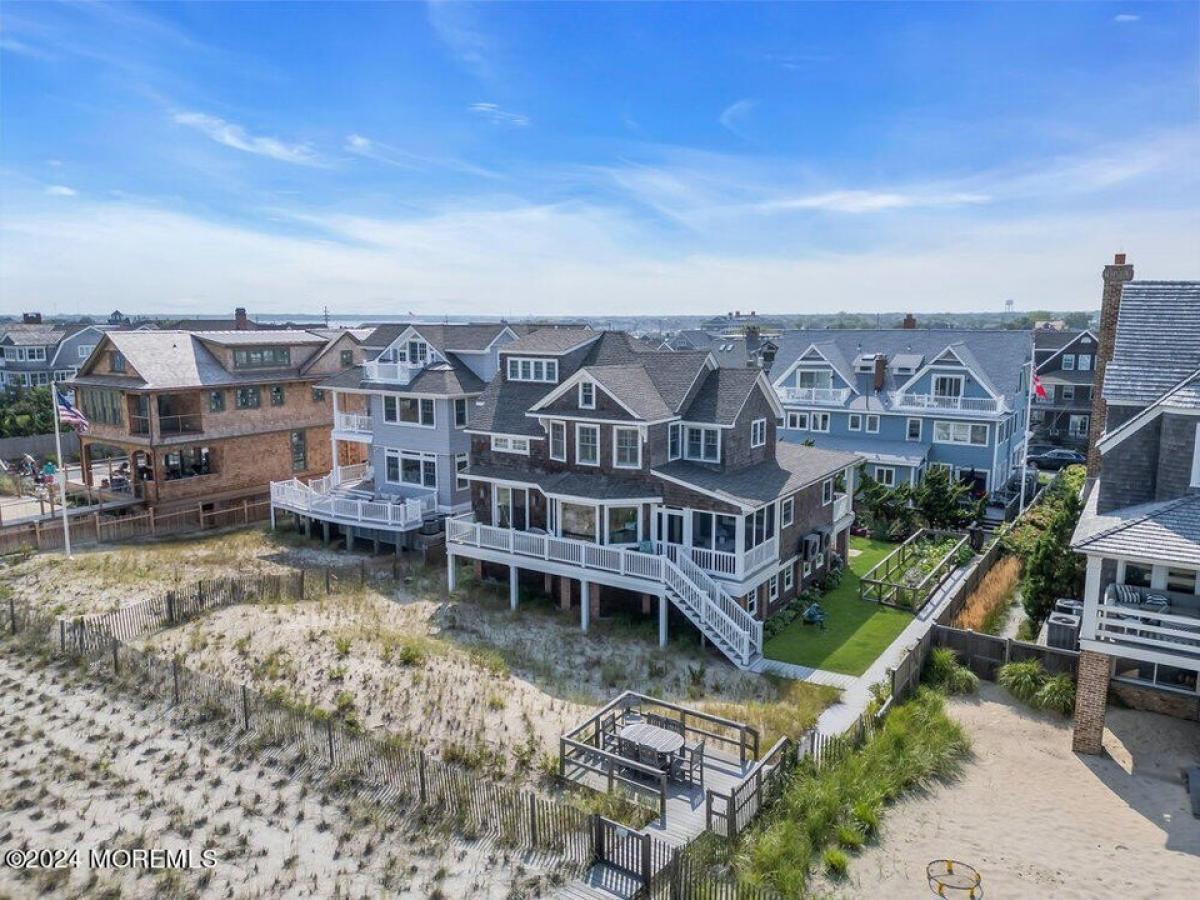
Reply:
x=856, y=631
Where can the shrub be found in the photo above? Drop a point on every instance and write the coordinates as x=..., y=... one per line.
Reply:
x=1057, y=694
x=1022, y=679
x=985, y=608
x=849, y=837
x=866, y=817
x=836, y=863
x=945, y=672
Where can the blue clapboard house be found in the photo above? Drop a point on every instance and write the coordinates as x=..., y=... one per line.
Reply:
x=909, y=400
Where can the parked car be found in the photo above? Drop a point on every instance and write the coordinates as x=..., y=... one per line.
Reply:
x=1057, y=459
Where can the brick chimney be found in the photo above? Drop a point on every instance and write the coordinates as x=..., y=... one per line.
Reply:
x=33, y=318
x=880, y=370
x=910, y=322
x=241, y=323
x=1114, y=278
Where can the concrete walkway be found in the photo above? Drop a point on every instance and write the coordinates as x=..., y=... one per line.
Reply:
x=805, y=673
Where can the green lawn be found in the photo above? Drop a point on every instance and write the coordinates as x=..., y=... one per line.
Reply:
x=856, y=631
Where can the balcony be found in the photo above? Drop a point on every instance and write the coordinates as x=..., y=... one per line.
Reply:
x=1145, y=623
x=188, y=423
x=336, y=498
x=355, y=424
x=391, y=372
x=841, y=506
x=814, y=395
x=939, y=402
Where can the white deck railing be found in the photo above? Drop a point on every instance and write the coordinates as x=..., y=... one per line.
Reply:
x=355, y=422
x=841, y=506
x=820, y=396
x=402, y=513
x=339, y=476
x=697, y=595
x=391, y=372
x=1165, y=632
x=908, y=400
x=756, y=557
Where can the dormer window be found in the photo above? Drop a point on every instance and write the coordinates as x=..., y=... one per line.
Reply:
x=530, y=369
x=703, y=444
x=814, y=378
x=418, y=353
x=758, y=433
x=587, y=395
x=262, y=357
x=947, y=385
x=116, y=361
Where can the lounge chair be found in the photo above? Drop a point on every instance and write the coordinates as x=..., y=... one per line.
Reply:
x=814, y=615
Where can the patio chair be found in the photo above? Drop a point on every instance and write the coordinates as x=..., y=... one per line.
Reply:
x=688, y=765
x=648, y=757
x=814, y=615
x=660, y=721
x=608, y=732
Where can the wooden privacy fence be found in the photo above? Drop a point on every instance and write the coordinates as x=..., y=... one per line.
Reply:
x=95, y=528
x=884, y=583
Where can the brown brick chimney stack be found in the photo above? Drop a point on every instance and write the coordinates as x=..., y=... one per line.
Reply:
x=241, y=323
x=880, y=371
x=910, y=321
x=1114, y=278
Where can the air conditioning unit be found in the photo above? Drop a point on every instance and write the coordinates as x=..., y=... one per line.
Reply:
x=1062, y=631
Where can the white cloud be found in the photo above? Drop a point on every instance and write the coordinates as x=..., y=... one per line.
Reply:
x=61, y=190
x=735, y=114
x=871, y=201
x=494, y=113
x=232, y=135
x=368, y=148
x=455, y=25
x=1126, y=17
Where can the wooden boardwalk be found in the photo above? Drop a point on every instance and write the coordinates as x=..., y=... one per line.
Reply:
x=685, y=803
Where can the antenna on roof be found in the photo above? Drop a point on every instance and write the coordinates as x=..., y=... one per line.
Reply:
x=327, y=316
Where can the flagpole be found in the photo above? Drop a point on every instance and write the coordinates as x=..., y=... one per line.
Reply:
x=62, y=468
x=1025, y=436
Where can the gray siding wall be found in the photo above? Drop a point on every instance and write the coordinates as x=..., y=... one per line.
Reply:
x=1177, y=443
x=443, y=439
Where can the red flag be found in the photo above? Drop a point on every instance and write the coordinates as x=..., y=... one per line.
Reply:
x=1039, y=389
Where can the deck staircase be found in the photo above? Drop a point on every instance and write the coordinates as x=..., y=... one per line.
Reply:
x=735, y=632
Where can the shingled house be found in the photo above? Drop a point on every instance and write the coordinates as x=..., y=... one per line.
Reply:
x=211, y=418
x=636, y=476
x=1140, y=526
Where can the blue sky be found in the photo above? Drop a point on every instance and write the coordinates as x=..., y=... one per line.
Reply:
x=593, y=158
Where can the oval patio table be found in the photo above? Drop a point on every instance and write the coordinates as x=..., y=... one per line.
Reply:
x=660, y=740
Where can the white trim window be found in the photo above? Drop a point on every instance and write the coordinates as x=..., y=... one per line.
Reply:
x=460, y=412
x=558, y=441
x=773, y=587
x=461, y=461
x=85, y=350
x=960, y=433
x=1068, y=362
x=758, y=433
x=627, y=448
x=854, y=422
x=789, y=577
x=807, y=567
x=872, y=424
x=542, y=371
x=408, y=411
x=886, y=475
x=503, y=443
x=910, y=433
x=752, y=602
x=787, y=511
x=587, y=444
x=819, y=421
x=947, y=385
x=587, y=395
x=797, y=421
x=1084, y=362
x=410, y=467
x=674, y=440
x=702, y=444
x=826, y=491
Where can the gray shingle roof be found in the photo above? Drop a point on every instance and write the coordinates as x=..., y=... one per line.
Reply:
x=1167, y=532
x=259, y=338
x=900, y=453
x=633, y=386
x=1150, y=358
x=722, y=396
x=467, y=336
x=439, y=378
x=793, y=468
x=33, y=337
x=998, y=354
x=595, y=486
x=551, y=340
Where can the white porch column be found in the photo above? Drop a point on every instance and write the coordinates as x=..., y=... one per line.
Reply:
x=512, y=587
x=662, y=620
x=585, y=604
x=451, y=574
x=740, y=546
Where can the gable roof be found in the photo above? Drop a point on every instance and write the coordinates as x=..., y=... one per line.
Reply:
x=1165, y=532
x=1183, y=396
x=441, y=378
x=722, y=395
x=467, y=337
x=554, y=341
x=996, y=355
x=1148, y=358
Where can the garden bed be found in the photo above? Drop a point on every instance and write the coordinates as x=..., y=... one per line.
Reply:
x=907, y=578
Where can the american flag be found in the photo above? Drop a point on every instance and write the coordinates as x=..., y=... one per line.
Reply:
x=1039, y=389
x=69, y=415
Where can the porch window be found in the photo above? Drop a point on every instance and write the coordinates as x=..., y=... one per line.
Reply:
x=299, y=451
x=1137, y=576
x=1182, y=581
x=187, y=463
x=512, y=508
x=558, y=441
x=670, y=526
x=578, y=522
x=760, y=527
x=418, y=352
x=714, y=531
x=391, y=467
x=623, y=524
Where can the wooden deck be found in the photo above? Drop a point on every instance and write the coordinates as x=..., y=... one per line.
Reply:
x=685, y=803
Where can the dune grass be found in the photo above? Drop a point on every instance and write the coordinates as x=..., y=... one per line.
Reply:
x=856, y=631
x=986, y=610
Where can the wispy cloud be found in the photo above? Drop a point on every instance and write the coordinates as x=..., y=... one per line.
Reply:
x=500, y=116
x=1126, y=17
x=380, y=152
x=860, y=201
x=232, y=135
x=456, y=26
x=735, y=114
x=61, y=190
